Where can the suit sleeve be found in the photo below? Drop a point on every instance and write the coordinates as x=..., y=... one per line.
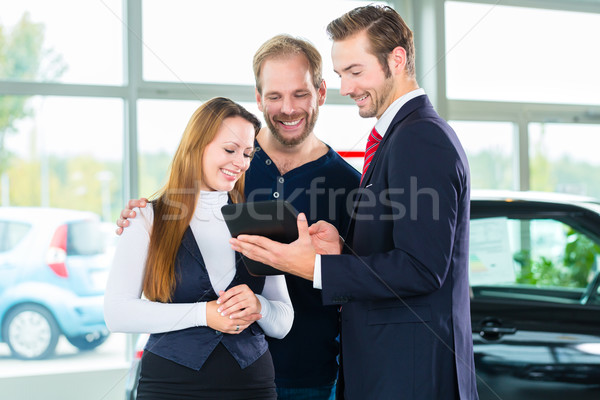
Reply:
x=423, y=181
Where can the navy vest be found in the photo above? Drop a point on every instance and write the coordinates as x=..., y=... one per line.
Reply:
x=191, y=347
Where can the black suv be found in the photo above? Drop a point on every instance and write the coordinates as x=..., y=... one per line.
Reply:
x=535, y=301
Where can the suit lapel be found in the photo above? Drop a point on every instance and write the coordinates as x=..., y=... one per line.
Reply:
x=404, y=111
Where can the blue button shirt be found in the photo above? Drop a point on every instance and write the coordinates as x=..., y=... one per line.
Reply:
x=306, y=357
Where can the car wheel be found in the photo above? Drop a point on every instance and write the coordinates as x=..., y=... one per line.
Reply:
x=31, y=332
x=87, y=342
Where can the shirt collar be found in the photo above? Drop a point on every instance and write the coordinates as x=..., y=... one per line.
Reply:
x=384, y=122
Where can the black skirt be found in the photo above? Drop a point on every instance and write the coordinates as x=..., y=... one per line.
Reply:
x=221, y=377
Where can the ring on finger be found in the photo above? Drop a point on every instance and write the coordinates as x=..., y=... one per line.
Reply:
x=237, y=328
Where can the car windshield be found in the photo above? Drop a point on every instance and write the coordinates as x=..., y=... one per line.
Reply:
x=85, y=238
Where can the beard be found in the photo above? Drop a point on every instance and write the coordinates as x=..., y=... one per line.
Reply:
x=378, y=102
x=309, y=125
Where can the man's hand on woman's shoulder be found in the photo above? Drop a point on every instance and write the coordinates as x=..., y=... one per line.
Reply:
x=128, y=212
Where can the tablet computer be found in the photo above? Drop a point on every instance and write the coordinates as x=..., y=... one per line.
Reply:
x=275, y=219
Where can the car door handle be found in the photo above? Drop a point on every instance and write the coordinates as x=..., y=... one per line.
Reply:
x=487, y=331
x=492, y=328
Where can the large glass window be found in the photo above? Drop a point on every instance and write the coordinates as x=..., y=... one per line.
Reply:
x=215, y=44
x=67, y=154
x=496, y=52
x=490, y=150
x=62, y=40
x=564, y=159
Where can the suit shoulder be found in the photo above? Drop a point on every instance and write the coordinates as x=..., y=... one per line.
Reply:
x=431, y=136
x=425, y=129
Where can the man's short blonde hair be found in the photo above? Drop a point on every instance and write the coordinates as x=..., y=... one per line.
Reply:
x=282, y=46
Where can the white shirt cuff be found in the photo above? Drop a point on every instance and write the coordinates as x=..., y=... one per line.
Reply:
x=317, y=283
x=265, y=305
x=201, y=319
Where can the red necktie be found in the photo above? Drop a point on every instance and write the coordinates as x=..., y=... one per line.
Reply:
x=372, y=144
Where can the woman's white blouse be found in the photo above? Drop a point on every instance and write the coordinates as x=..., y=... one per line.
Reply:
x=126, y=311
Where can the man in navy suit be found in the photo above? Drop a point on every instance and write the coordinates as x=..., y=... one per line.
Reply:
x=402, y=275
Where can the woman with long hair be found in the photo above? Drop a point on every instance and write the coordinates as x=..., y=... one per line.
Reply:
x=175, y=276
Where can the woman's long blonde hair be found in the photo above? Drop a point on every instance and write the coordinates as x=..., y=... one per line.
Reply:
x=174, y=204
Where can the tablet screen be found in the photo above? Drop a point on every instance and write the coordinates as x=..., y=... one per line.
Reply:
x=274, y=219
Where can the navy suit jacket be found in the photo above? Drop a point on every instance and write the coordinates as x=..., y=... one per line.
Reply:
x=403, y=280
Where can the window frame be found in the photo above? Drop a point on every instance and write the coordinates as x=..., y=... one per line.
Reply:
x=521, y=114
